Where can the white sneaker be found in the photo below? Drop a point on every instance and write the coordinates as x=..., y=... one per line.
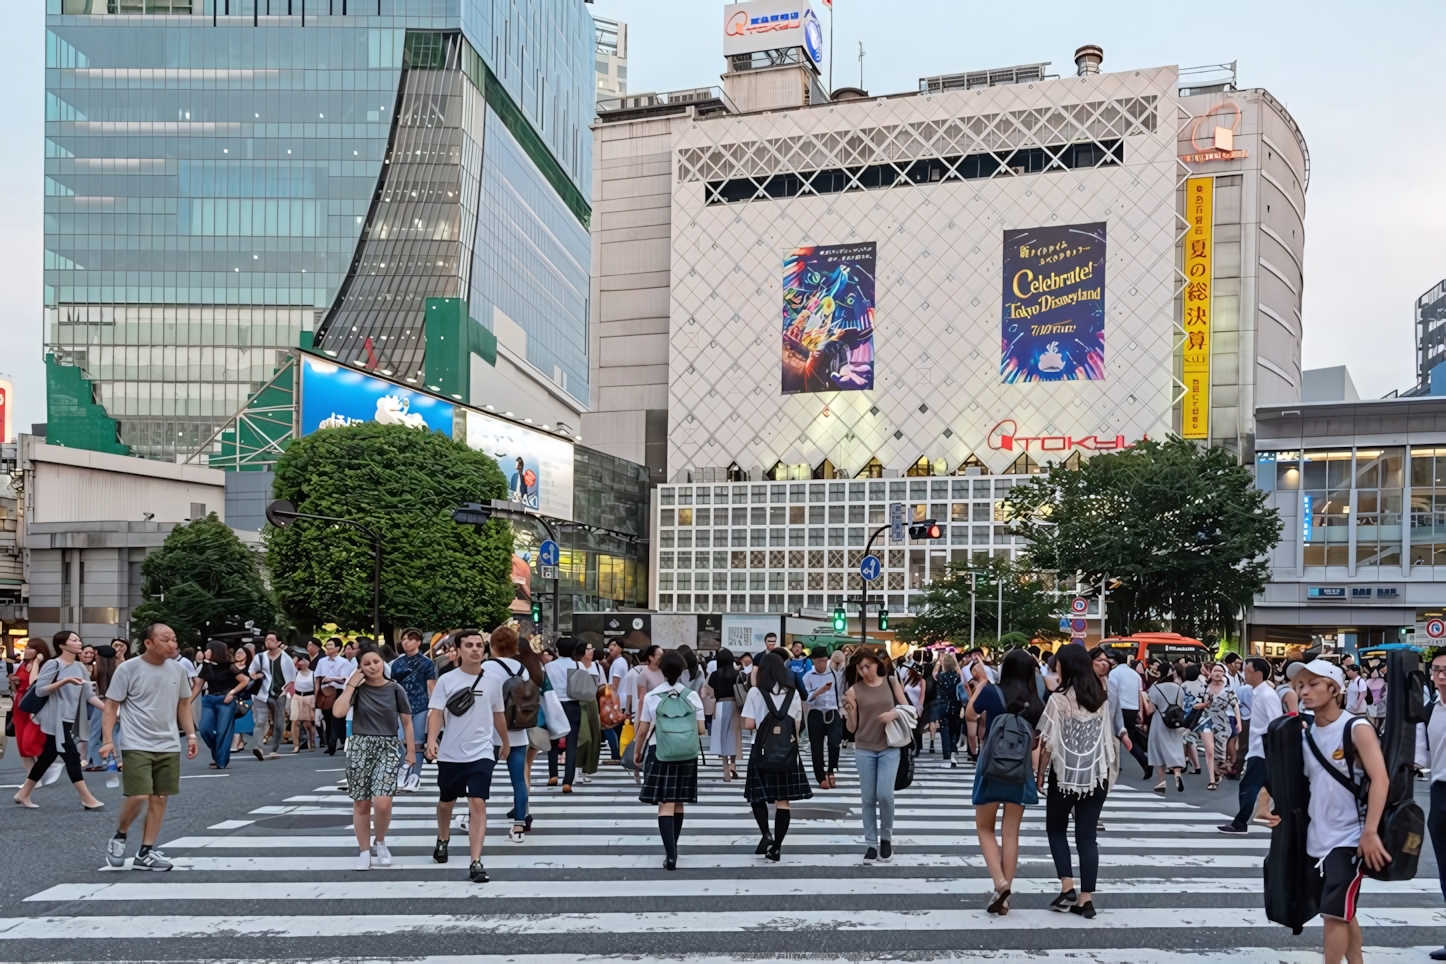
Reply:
x=363, y=861
x=414, y=782
x=51, y=774
x=586, y=778
x=115, y=852
x=383, y=855
x=515, y=835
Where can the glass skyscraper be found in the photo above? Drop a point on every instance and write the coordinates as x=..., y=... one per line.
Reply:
x=222, y=175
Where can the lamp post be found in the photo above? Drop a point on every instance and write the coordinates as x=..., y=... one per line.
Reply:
x=480, y=513
x=282, y=513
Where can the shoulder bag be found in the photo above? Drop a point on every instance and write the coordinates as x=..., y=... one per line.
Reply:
x=900, y=732
x=460, y=702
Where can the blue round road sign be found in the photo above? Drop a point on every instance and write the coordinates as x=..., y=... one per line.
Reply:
x=547, y=553
x=870, y=568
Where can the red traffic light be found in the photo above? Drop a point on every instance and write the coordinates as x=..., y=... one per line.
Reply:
x=928, y=529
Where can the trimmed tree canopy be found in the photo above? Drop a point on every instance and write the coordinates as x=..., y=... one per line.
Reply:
x=211, y=583
x=403, y=484
x=1183, y=529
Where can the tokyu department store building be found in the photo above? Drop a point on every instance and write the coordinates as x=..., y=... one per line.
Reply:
x=805, y=308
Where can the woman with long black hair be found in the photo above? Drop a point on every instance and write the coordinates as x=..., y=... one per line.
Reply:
x=1077, y=752
x=1015, y=694
x=772, y=703
x=726, y=742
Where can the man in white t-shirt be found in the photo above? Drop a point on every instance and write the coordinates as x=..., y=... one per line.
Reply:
x=331, y=673
x=465, y=752
x=1338, y=842
x=1267, y=708
x=1123, y=686
x=1355, y=690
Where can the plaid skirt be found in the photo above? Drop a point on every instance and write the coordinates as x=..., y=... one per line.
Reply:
x=770, y=786
x=665, y=782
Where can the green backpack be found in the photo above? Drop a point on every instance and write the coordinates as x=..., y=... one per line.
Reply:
x=676, y=723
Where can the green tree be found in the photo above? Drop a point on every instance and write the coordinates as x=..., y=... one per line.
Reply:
x=1183, y=530
x=403, y=484
x=203, y=581
x=1026, y=609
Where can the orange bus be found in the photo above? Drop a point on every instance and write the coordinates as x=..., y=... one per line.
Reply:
x=1154, y=646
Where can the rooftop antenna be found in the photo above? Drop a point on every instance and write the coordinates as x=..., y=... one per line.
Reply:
x=861, y=65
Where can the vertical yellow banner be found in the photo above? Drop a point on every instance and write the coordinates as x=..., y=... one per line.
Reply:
x=1199, y=276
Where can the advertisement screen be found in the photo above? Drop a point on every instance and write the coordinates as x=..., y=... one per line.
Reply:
x=333, y=396
x=537, y=466
x=1054, y=304
x=828, y=319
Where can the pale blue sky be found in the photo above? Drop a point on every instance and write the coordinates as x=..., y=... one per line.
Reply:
x=1364, y=80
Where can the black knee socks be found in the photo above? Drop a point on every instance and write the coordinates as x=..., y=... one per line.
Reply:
x=677, y=826
x=781, y=817
x=760, y=814
x=667, y=830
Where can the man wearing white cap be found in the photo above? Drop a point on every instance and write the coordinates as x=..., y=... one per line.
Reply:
x=1431, y=752
x=1265, y=707
x=1340, y=750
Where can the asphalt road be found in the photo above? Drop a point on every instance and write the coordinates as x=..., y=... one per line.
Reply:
x=264, y=851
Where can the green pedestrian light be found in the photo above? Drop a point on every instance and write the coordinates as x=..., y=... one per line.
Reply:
x=883, y=619
x=840, y=620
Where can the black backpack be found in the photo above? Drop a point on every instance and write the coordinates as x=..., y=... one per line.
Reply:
x=1008, y=748
x=1288, y=869
x=1173, y=715
x=521, y=700
x=777, y=741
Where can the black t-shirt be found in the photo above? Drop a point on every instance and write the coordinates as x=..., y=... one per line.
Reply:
x=219, y=680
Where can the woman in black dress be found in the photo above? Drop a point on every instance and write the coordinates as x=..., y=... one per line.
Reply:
x=773, y=784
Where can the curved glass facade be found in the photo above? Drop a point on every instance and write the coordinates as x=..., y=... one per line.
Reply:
x=209, y=173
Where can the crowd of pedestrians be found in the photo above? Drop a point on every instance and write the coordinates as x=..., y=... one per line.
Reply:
x=1053, y=725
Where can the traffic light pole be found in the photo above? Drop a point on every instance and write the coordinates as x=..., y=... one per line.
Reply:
x=475, y=513
x=864, y=597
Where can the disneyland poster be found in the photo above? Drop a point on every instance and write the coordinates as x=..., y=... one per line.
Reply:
x=828, y=319
x=1054, y=304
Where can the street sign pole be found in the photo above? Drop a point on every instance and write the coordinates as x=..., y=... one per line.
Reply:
x=896, y=524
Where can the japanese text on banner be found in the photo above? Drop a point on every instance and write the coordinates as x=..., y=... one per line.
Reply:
x=1199, y=276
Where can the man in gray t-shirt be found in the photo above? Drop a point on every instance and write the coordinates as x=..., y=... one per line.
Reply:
x=151, y=697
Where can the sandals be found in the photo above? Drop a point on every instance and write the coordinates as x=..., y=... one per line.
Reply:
x=1161, y=788
x=1179, y=783
x=1212, y=786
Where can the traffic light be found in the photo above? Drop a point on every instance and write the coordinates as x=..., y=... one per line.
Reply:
x=883, y=619
x=840, y=620
x=537, y=612
x=928, y=529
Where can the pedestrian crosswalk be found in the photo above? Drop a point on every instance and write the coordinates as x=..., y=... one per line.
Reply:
x=588, y=880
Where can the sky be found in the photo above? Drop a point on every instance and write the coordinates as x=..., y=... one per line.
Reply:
x=1363, y=80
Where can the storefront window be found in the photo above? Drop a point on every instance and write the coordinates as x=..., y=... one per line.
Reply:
x=1428, y=507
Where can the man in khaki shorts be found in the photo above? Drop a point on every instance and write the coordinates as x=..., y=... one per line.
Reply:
x=150, y=696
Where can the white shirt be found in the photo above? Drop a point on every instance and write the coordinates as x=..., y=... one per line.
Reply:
x=1335, y=820
x=628, y=695
x=471, y=736
x=191, y=670
x=336, y=667
x=755, y=709
x=1124, y=687
x=1356, y=697
x=1243, y=693
x=616, y=671
x=304, y=683
x=557, y=671
x=655, y=696
x=261, y=663
x=826, y=700
x=596, y=670
x=491, y=670
x=1267, y=708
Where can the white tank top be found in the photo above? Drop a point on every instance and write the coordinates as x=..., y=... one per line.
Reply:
x=1335, y=820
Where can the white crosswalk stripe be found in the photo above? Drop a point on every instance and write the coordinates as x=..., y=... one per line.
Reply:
x=592, y=865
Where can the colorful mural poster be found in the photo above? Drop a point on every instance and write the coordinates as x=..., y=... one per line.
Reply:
x=335, y=395
x=828, y=319
x=1054, y=304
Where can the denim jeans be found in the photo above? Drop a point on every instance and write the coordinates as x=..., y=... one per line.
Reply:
x=1252, y=781
x=877, y=769
x=217, y=719
x=517, y=773
x=92, y=755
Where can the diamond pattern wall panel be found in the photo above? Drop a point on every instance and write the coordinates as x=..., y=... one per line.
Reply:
x=937, y=386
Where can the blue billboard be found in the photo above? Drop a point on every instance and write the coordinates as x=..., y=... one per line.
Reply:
x=334, y=395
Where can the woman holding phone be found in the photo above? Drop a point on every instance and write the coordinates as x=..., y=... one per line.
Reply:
x=373, y=753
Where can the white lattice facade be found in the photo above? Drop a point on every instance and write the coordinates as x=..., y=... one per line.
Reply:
x=937, y=390
x=777, y=547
